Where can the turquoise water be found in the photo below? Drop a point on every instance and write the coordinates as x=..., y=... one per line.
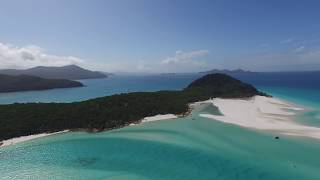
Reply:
x=187, y=148
x=305, y=97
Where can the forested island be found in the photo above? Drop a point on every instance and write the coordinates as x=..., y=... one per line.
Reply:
x=29, y=83
x=117, y=110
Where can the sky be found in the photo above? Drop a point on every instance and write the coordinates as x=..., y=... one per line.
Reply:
x=161, y=35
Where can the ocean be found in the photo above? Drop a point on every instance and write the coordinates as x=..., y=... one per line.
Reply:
x=100, y=87
x=186, y=148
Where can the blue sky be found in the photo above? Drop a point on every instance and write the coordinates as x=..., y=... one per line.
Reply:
x=161, y=35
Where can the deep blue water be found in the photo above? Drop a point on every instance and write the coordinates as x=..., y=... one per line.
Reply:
x=297, y=87
x=100, y=87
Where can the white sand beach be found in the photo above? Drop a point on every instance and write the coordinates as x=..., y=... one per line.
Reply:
x=27, y=138
x=30, y=137
x=262, y=113
x=258, y=112
x=159, y=117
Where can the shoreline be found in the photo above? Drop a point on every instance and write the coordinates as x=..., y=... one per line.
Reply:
x=262, y=113
x=158, y=117
x=258, y=112
x=20, y=139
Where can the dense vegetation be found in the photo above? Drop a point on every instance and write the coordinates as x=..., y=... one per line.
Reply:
x=64, y=72
x=27, y=83
x=221, y=85
x=116, y=110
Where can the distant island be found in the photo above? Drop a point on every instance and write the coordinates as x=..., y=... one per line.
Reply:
x=71, y=72
x=27, y=83
x=117, y=110
x=227, y=71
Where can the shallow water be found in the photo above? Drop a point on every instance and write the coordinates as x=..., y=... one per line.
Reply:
x=186, y=148
x=308, y=98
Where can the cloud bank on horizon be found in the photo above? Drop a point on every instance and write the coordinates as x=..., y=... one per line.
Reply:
x=13, y=57
x=137, y=36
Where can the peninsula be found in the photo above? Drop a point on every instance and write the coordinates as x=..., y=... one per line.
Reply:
x=117, y=110
x=29, y=83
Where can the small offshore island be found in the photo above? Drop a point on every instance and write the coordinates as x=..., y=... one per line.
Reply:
x=117, y=110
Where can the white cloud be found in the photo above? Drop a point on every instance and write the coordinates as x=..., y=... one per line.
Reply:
x=286, y=41
x=30, y=56
x=181, y=57
x=299, y=49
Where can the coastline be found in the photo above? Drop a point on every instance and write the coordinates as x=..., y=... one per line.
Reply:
x=262, y=113
x=259, y=112
x=159, y=117
x=16, y=140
